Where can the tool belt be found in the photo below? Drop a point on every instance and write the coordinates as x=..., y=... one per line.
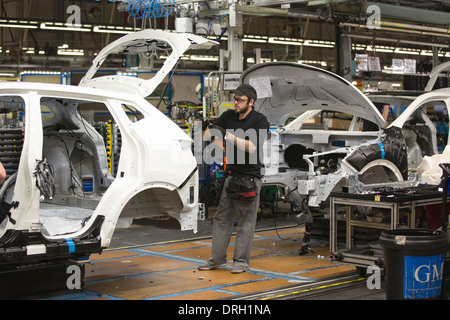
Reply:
x=241, y=187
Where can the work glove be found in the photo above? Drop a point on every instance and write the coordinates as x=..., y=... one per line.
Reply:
x=214, y=133
x=218, y=132
x=205, y=124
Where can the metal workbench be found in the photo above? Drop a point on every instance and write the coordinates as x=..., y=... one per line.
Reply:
x=366, y=255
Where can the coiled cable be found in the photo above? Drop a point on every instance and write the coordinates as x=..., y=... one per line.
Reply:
x=147, y=9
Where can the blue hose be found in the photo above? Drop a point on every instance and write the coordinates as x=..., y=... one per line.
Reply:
x=147, y=9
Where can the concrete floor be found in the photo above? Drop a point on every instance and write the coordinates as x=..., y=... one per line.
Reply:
x=156, y=261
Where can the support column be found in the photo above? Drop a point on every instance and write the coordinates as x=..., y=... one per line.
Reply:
x=235, y=35
x=435, y=51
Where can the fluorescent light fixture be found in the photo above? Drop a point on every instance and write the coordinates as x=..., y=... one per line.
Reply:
x=128, y=74
x=324, y=2
x=254, y=39
x=203, y=58
x=384, y=50
x=119, y=30
x=224, y=38
x=62, y=27
x=24, y=26
x=426, y=53
x=406, y=51
x=187, y=57
x=316, y=43
x=263, y=60
x=71, y=52
x=322, y=63
x=380, y=49
x=285, y=42
x=40, y=73
x=9, y=23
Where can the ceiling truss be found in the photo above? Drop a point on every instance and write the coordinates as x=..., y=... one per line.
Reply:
x=34, y=35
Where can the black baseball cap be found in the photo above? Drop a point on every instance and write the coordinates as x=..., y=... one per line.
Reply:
x=246, y=90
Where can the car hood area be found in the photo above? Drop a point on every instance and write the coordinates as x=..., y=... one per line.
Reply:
x=287, y=90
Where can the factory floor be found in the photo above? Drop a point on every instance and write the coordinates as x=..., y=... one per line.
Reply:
x=153, y=260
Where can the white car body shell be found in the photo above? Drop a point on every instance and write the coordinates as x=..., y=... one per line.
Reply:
x=303, y=92
x=156, y=175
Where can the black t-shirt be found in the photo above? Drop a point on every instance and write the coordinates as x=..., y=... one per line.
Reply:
x=370, y=126
x=253, y=127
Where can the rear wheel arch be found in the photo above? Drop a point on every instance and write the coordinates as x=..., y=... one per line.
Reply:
x=379, y=171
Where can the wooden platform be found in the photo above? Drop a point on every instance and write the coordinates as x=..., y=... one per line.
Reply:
x=168, y=271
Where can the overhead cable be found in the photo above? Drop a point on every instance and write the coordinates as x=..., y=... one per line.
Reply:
x=147, y=9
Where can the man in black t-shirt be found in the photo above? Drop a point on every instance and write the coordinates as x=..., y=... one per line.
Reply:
x=244, y=131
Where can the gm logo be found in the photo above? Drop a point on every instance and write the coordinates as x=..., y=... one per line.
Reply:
x=422, y=277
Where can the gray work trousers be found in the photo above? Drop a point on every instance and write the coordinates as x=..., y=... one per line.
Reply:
x=228, y=211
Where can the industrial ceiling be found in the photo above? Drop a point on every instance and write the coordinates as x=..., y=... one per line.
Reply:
x=35, y=35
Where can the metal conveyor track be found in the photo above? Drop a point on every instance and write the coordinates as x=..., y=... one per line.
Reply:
x=342, y=288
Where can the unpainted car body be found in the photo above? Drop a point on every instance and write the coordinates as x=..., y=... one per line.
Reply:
x=62, y=199
x=309, y=159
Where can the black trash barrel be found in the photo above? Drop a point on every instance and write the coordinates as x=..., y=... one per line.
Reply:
x=413, y=263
